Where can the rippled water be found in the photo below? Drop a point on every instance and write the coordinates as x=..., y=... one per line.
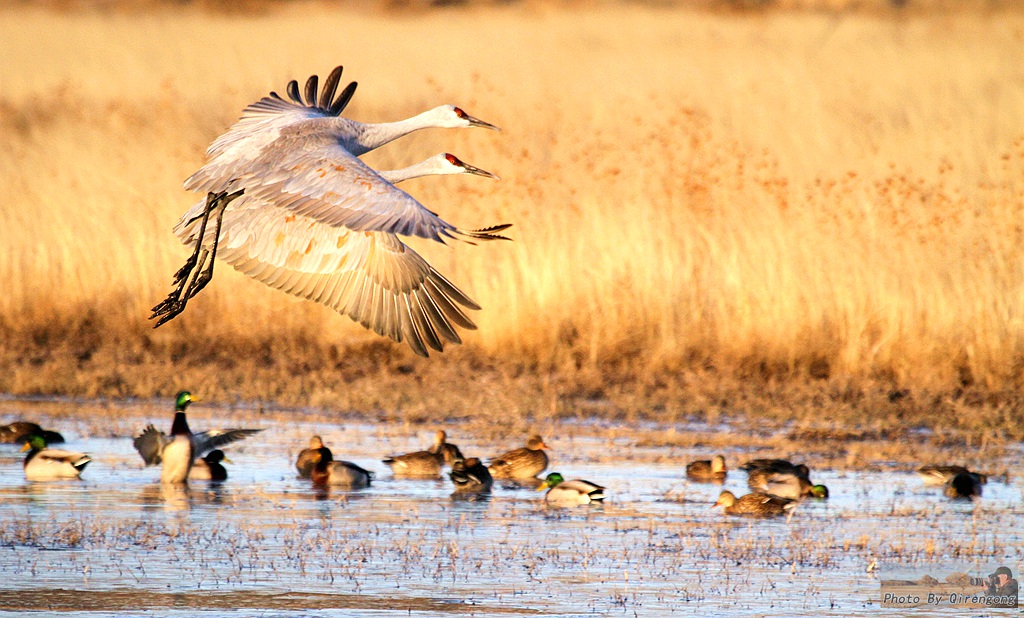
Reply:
x=266, y=542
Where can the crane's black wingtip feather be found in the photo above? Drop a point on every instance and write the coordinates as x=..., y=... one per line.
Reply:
x=311, y=85
x=330, y=87
x=293, y=92
x=343, y=99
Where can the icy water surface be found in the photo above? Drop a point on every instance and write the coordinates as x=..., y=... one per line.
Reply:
x=267, y=543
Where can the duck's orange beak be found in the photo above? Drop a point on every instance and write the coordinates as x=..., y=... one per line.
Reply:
x=26, y=447
x=542, y=486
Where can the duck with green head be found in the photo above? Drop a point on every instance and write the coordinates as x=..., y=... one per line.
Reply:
x=177, y=452
x=785, y=485
x=570, y=493
x=47, y=464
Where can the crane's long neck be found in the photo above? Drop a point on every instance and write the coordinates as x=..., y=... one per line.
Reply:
x=423, y=168
x=376, y=135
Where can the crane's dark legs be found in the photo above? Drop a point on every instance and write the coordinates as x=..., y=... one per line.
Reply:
x=194, y=266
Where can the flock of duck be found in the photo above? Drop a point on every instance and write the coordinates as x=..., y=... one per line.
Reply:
x=777, y=485
x=186, y=456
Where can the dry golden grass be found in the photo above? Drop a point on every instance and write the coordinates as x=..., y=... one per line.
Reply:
x=702, y=201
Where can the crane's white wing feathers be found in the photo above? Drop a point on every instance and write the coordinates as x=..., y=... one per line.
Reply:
x=373, y=278
x=312, y=174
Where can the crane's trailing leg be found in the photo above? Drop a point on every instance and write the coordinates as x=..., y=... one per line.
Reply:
x=194, y=266
x=204, y=276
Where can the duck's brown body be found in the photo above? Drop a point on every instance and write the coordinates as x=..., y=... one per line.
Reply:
x=754, y=505
x=522, y=463
x=707, y=471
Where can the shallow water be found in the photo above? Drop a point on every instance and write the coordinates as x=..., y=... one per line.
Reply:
x=266, y=542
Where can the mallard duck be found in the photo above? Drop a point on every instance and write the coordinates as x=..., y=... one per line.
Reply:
x=781, y=484
x=777, y=465
x=754, y=505
x=937, y=475
x=309, y=457
x=570, y=493
x=209, y=467
x=450, y=452
x=471, y=475
x=341, y=473
x=46, y=464
x=19, y=431
x=963, y=486
x=178, y=451
x=522, y=463
x=421, y=464
x=706, y=471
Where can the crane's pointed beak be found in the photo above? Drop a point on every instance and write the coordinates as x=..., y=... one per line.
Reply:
x=478, y=172
x=476, y=122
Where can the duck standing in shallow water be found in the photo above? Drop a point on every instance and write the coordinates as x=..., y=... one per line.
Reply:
x=707, y=471
x=570, y=493
x=521, y=463
x=754, y=505
x=47, y=464
x=177, y=452
x=339, y=473
x=209, y=468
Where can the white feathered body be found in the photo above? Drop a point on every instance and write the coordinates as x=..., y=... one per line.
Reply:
x=574, y=493
x=177, y=459
x=50, y=464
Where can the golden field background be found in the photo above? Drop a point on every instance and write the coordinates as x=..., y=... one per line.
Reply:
x=713, y=211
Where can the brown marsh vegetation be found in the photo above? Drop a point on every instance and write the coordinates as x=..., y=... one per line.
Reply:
x=788, y=216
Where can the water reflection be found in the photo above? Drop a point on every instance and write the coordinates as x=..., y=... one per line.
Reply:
x=169, y=496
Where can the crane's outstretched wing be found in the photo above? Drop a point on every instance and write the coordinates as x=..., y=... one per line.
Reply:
x=150, y=444
x=261, y=123
x=373, y=278
x=206, y=441
x=265, y=118
x=309, y=173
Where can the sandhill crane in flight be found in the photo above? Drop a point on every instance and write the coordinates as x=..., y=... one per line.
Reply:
x=342, y=269
x=285, y=180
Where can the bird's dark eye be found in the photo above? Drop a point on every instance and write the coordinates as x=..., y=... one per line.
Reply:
x=458, y=112
x=453, y=159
